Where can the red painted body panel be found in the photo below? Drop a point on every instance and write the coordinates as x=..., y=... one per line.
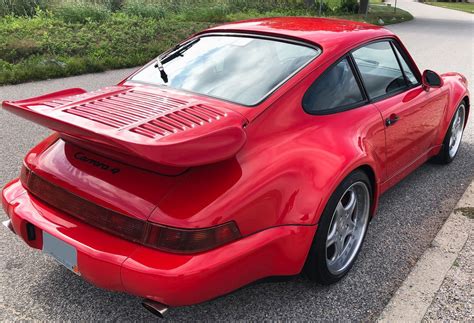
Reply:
x=113, y=263
x=132, y=191
x=456, y=85
x=420, y=114
x=270, y=168
x=170, y=130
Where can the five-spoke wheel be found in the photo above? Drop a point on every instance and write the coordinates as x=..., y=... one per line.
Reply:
x=452, y=139
x=343, y=223
x=341, y=229
x=457, y=129
x=347, y=228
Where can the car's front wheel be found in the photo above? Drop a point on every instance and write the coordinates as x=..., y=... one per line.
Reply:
x=452, y=140
x=341, y=230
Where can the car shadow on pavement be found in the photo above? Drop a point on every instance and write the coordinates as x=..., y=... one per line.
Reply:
x=409, y=216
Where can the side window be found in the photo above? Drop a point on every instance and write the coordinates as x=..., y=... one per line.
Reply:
x=379, y=69
x=335, y=88
x=411, y=78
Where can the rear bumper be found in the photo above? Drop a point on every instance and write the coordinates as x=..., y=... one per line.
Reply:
x=173, y=279
x=8, y=224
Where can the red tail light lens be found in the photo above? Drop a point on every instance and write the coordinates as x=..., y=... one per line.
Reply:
x=91, y=213
x=136, y=230
x=190, y=241
x=24, y=175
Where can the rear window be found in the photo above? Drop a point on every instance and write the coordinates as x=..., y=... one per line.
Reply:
x=240, y=69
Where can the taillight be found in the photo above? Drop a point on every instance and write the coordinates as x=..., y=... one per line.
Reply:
x=146, y=233
x=190, y=241
x=80, y=208
x=24, y=175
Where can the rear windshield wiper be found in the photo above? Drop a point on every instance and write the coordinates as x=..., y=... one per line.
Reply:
x=172, y=54
x=159, y=66
x=178, y=50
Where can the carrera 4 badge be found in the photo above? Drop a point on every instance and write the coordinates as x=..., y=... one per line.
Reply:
x=82, y=157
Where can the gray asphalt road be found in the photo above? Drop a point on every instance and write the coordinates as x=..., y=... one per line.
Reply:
x=33, y=286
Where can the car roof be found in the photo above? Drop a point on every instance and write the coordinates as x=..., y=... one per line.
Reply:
x=324, y=32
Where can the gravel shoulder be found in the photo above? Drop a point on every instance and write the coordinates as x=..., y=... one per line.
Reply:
x=440, y=285
x=455, y=299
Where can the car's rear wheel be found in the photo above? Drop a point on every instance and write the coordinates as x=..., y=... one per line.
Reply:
x=341, y=230
x=452, y=140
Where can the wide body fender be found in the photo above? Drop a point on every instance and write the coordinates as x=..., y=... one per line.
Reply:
x=458, y=91
x=289, y=167
x=305, y=157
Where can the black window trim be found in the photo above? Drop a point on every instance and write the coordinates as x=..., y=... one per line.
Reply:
x=392, y=46
x=367, y=100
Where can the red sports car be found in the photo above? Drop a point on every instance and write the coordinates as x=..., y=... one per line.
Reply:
x=253, y=149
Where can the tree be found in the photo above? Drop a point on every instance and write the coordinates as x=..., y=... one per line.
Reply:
x=364, y=6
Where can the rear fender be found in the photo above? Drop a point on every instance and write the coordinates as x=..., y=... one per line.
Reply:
x=457, y=87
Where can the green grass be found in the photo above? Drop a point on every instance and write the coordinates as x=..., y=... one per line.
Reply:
x=388, y=14
x=461, y=6
x=466, y=211
x=381, y=15
x=78, y=36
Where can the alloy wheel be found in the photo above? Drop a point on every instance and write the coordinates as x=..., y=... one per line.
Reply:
x=347, y=228
x=457, y=129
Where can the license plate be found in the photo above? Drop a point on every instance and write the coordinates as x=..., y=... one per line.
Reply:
x=64, y=253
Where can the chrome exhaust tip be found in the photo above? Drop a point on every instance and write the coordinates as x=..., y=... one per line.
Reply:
x=156, y=308
x=8, y=224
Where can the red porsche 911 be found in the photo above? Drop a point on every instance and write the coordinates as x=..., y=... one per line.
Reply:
x=253, y=149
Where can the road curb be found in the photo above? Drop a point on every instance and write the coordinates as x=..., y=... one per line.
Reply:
x=414, y=296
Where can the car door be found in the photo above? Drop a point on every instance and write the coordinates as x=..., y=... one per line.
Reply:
x=411, y=114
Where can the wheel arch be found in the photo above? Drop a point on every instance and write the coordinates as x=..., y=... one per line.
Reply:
x=369, y=171
x=468, y=109
x=313, y=258
x=458, y=93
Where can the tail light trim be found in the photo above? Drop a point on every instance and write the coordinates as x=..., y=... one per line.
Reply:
x=169, y=239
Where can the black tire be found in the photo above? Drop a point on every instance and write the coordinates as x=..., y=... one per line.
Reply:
x=316, y=266
x=444, y=157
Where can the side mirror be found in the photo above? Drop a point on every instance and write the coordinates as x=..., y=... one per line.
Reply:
x=431, y=79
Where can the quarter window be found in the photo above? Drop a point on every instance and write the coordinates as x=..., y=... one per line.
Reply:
x=335, y=89
x=379, y=69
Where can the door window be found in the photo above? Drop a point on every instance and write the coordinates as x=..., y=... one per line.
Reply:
x=335, y=89
x=411, y=78
x=379, y=69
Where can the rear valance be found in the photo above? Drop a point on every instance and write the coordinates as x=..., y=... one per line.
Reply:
x=147, y=123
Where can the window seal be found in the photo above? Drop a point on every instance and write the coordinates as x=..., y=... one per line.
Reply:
x=404, y=56
x=399, y=64
x=358, y=77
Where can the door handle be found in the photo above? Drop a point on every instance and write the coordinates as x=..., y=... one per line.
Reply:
x=391, y=120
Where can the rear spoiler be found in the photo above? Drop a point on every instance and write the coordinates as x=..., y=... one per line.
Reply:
x=145, y=123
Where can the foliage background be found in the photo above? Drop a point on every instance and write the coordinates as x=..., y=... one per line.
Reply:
x=42, y=39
